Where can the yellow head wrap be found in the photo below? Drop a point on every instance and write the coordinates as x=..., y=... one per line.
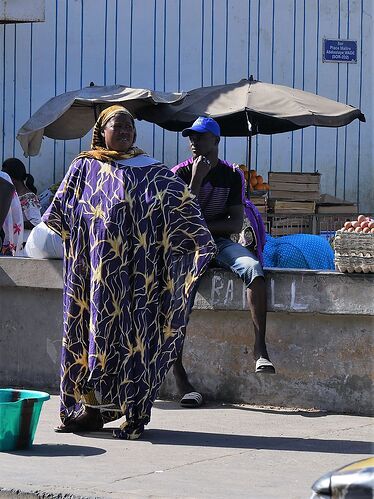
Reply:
x=98, y=146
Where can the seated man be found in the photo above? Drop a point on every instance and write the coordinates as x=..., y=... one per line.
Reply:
x=219, y=189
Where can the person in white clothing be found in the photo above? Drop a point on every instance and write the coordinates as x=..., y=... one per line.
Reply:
x=12, y=226
x=26, y=190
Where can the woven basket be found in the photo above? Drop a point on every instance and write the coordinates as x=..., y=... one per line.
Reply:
x=354, y=252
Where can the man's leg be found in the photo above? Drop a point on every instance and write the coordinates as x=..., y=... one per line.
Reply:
x=244, y=264
x=256, y=294
x=183, y=384
x=190, y=397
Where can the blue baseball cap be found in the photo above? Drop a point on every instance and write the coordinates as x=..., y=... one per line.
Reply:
x=202, y=125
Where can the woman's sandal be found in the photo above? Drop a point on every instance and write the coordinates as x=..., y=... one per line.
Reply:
x=83, y=423
x=131, y=430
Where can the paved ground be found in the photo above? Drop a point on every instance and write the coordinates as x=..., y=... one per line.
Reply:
x=213, y=452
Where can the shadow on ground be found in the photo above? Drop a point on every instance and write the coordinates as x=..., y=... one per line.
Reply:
x=200, y=439
x=171, y=405
x=172, y=437
x=59, y=450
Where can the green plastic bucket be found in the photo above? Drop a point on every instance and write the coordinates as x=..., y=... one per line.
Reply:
x=19, y=416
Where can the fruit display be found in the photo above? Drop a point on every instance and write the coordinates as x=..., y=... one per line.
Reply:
x=256, y=181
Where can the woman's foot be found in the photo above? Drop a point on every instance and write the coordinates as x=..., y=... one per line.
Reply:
x=131, y=430
x=90, y=420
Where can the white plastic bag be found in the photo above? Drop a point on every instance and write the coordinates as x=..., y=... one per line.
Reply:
x=44, y=243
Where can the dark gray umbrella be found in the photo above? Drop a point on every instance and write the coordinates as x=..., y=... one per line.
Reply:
x=249, y=107
x=72, y=114
x=269, y=108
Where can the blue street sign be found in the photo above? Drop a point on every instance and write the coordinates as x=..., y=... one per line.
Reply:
x=339, y=50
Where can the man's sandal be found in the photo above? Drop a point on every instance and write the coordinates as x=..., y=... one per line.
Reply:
x=264, y=366
x=192, y=400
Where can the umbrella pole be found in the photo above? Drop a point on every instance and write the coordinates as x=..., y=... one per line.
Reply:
x=249, y=159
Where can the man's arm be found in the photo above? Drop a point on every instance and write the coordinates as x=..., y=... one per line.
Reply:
x=231, y=224
x=6, y=193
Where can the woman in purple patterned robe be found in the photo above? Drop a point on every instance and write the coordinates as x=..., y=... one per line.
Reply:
x=135, y=243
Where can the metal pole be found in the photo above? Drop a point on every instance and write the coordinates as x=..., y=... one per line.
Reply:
x=249, y=139
x=249, y=159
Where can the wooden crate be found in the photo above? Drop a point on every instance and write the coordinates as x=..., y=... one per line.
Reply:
x=297, y=207
x=263, y=212
x=294, y=186
x=344, y=209
x=330, y=222
x=260, y=201
x=295, y=196
x=259, y=197
x=295, y=177
x=331, y=205
x=284, y=226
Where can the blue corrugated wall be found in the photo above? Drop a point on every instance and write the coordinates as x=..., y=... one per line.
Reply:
x=181, y=44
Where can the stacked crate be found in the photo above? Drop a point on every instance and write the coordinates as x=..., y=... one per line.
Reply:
x=292, y=200
x=332, y=213
x=260, y=201
x=292, y=187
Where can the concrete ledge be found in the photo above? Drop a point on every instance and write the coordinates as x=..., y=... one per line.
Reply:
x=322, y=361
x=30, y=273
x=320, y=337
x=292, y=290
x=289, y=290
